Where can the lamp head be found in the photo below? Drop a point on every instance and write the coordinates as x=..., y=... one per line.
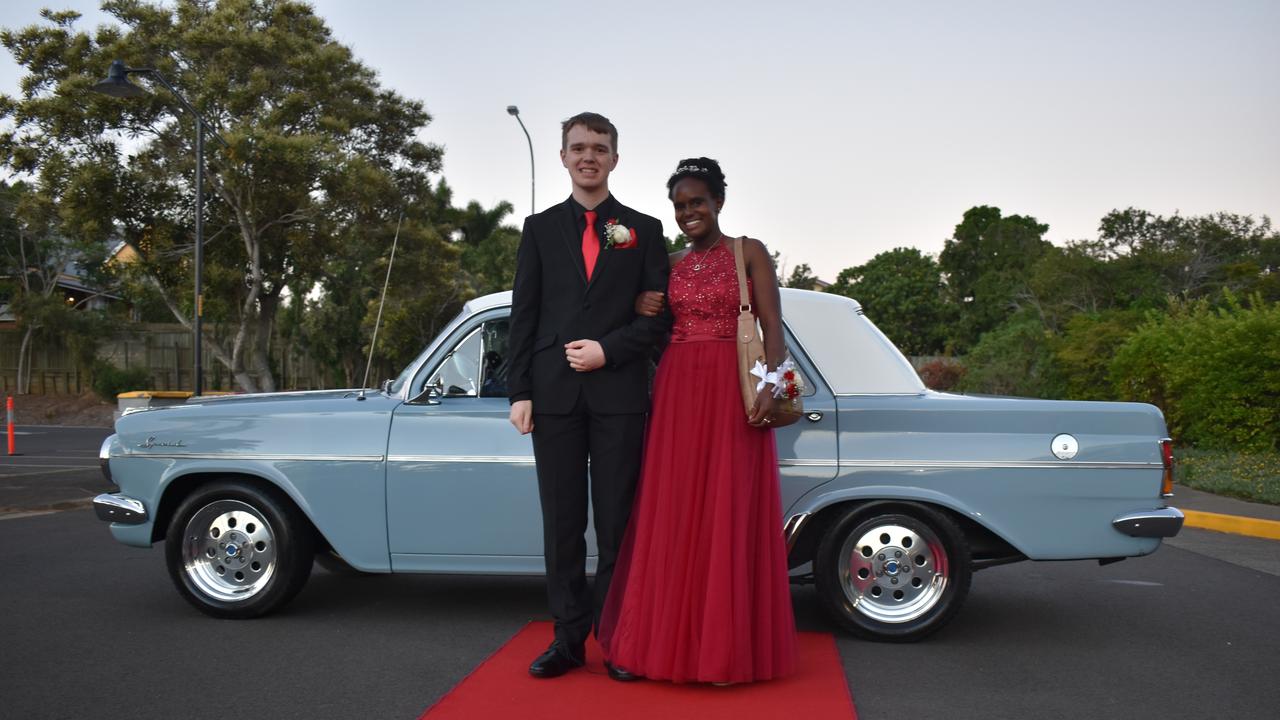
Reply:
x=117, y=83
x=513, y=110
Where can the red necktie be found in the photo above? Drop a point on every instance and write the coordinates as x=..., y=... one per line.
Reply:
x=590, y=243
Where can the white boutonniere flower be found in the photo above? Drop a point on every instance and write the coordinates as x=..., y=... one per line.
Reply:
x=618, y=236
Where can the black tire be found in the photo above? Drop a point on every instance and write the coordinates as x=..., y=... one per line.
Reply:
x=235, y=550
x=893, y=572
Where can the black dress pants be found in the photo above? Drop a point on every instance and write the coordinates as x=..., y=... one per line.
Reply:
x=565, y=447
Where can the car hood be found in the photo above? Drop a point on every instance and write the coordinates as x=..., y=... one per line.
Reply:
x=303, y=424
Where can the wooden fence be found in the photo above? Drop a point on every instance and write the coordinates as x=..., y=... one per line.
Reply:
x=164, y=349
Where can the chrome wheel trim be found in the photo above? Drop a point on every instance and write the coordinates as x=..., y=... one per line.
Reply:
x=229, y=551
x=893, y=573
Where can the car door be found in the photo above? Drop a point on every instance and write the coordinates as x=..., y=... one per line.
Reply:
x=462, y=491
x=807, y=449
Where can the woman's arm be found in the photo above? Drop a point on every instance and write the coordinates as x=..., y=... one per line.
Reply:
x=649, y=303
x=768, y=307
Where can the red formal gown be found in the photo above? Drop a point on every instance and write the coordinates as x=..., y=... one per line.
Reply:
x=700, y=592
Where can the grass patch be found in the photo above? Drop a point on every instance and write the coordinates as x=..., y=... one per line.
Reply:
x=1253, y=476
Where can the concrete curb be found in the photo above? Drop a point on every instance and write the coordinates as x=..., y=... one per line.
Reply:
x=1234, y=524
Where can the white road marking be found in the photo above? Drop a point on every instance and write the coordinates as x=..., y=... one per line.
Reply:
x=26, y=513
x=67, y=469
x=1140, y=583
x=45, y=465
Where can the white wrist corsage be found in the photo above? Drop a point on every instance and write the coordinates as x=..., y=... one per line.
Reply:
x=786, y=379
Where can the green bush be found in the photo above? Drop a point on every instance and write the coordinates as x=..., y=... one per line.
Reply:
x=1083, y=352
x=1214, y=371
x=109, y=380
x=1012, y=359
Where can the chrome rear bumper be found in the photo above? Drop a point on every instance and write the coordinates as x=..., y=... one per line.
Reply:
x=119, y=509
x=1162, y=523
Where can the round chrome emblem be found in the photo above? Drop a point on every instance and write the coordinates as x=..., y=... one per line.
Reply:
x=891, y=567
x=232, y=549
x=1065, y=447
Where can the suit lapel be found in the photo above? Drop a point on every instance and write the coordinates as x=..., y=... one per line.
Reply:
x=572, y=240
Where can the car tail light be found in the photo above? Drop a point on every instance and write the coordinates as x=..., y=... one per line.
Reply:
x=1166, y=455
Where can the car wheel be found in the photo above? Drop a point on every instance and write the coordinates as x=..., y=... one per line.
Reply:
x=237, y=551
x=893, y=573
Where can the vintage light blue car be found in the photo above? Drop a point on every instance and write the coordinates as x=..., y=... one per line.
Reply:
x=893, y=493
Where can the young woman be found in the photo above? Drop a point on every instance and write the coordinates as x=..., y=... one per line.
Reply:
x=700, y=592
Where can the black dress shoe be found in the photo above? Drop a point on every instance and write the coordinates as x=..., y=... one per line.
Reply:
x=620, y=674
x=556, y=661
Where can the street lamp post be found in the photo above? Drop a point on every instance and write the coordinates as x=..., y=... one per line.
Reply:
x=514, y=112
x=117, y=85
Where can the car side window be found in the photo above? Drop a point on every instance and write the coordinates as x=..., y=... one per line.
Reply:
x=804, y=376
x=493, y=375
x=458, y=375
x=477, y=366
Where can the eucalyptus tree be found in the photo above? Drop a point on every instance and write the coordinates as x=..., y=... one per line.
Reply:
x=319, y=157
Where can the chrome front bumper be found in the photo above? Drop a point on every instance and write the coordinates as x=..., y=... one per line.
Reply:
x=119, y=509
x=1162, y=523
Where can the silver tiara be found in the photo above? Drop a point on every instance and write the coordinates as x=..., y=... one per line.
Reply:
x=690, y=168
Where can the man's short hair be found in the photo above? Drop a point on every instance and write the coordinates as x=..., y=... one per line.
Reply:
x=595, y=122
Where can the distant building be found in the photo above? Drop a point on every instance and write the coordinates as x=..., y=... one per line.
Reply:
x=71, y=285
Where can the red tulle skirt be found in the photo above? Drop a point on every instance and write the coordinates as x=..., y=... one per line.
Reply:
x=700, y=592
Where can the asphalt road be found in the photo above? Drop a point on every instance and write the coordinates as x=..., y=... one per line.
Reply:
x=92, y=628
x=55, y=468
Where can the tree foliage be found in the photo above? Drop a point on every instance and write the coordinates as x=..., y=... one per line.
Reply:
x=801, y=277
x=316, y=153
x=1215, y=371
x=37, y=249
x=984, y=263
x=901, y=291
x=1013, y=359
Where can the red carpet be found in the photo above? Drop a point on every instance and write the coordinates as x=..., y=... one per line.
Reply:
x=501, y=688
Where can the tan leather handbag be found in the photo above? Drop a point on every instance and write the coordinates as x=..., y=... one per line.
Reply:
x=751, y=351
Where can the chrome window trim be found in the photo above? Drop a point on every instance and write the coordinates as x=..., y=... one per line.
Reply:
x=806, y=462
x=856, y=395
x=990, y=464
x=808, y=359
x=247, y=456
x=499, y=459
x=811, y=462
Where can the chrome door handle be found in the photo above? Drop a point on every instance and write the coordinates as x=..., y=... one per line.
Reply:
x=813, y=416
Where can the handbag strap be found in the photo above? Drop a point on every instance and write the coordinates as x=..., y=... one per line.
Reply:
x=744, y=302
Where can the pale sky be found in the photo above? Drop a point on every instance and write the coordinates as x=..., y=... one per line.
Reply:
x=844, y=128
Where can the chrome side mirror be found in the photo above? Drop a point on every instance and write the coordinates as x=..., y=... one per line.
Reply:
x=430, y=396
x=386, y=387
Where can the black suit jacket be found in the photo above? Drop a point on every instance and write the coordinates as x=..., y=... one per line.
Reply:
x=553, y=304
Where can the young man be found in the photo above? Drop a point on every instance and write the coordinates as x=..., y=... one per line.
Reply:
x=578, y=378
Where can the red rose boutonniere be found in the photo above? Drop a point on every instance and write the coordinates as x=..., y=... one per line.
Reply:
x=618, y=236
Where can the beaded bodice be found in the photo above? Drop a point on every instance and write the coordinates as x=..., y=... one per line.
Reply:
x=705, y=302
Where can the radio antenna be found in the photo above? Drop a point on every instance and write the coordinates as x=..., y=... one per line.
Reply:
x=378, y=322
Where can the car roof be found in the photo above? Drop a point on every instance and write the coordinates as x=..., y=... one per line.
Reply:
x=854, y=357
